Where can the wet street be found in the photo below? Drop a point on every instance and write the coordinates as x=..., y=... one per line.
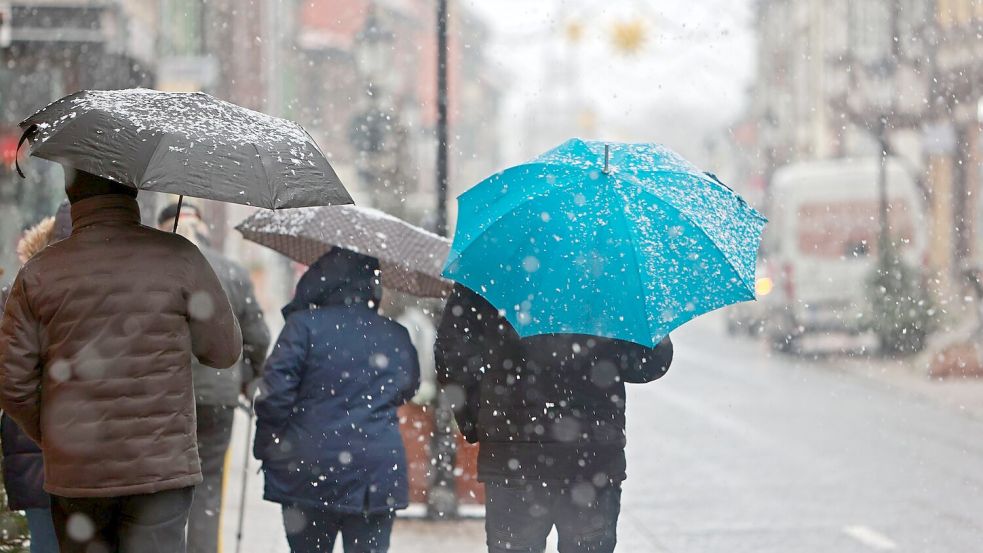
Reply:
x=740, y=451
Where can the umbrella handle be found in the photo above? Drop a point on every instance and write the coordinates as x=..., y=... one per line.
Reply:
x=23, y=138
x=607, y=158
x=177, y=216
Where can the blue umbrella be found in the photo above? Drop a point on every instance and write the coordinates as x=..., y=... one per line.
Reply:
x=624, y=241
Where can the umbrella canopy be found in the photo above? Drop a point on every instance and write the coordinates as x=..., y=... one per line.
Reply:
x=627, y=246
x=410, y=257
x=186, y=143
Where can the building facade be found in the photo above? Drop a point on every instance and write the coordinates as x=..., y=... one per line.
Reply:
x=839, y=79
x=952, y=132
x=370, y=98
x=52, y=48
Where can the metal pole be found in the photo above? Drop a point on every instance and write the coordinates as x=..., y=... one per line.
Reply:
x=245, y=475
x=271, y=54
x=442, y=495
x=442, y=131
x=884, y=237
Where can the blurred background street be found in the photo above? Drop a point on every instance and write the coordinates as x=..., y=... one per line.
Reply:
x=840, y=412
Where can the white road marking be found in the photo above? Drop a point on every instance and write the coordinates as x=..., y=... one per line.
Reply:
x=870, y=537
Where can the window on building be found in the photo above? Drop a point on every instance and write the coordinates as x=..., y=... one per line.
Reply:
x=871, y=31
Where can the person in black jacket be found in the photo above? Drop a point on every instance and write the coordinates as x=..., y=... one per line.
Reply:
x=549, y=414
x=217, y=391
x=326, y=425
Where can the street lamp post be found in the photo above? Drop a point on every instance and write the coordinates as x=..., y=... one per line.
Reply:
x=442, y=131
x=371, y=127
x=442, y=497
x=884, y=236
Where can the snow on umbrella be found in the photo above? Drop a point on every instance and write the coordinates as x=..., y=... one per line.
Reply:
x=186, y=143
x=626, y=241
x=410, y=257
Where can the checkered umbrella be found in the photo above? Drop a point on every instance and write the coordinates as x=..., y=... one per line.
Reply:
x=410, y=257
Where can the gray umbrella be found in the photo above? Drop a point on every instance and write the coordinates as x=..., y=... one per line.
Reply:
x=186, y=143
x=410, y=258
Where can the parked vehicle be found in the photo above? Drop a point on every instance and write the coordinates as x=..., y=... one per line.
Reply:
x=822, y=243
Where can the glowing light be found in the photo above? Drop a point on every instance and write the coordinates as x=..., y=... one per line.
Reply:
x=763, y=286
x=629, y=37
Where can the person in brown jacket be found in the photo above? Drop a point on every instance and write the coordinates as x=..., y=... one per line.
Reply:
x=96, y=344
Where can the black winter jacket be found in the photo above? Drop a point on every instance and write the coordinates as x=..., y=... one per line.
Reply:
x=549, y=407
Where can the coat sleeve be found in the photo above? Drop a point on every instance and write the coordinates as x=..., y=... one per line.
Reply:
x=280, y=385
x=215, y=336
x=255, y=334
x=640, y=364
x=469, y=339
x=409, y=365
x=20, y=362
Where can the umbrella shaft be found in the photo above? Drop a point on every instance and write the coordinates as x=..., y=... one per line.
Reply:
x=177, y=216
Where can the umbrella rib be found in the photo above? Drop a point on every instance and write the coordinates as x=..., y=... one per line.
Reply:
x=634, y=239
x=516, y=204
x=153, y=155
x=693, y=223
x=266, y=175
x=634, y=253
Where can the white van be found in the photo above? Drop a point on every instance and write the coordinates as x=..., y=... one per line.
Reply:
x=821, y=243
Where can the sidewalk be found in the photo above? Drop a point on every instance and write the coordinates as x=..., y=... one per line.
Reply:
x=263, y=531
x=910, y=376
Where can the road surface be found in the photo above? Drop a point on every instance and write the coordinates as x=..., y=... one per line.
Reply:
x=737, y=450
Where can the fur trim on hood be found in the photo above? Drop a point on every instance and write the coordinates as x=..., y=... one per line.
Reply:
x=35, y=239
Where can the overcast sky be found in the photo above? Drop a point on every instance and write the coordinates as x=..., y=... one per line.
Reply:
x=690, y=78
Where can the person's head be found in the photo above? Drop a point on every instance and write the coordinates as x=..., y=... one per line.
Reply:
x=80, y=185
x=339, y=277
x=190, y=225
x=189, y=213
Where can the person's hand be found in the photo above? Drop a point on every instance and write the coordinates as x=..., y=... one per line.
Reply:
x=248, y=389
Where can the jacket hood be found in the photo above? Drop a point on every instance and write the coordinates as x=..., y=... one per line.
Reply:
x=339, y=277
x=48, y=231
x=35, y=239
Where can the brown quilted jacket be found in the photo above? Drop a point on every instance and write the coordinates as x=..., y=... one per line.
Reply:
x=95, y=352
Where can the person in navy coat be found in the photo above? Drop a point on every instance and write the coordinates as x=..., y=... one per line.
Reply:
x=327, y=432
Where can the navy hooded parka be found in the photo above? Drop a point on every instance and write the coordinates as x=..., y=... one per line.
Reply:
x=326, y=429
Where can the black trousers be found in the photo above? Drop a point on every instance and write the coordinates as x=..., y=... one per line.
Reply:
x=214, y=433
x=315, y=530
x=520, y=515
x=150, y=523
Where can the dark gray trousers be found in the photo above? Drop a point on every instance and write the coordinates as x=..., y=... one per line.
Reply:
x=519, y=516
x=149, y=523
x=214, y=433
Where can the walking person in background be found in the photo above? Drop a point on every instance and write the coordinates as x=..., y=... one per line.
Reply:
x=23, y=465
x=95, y=366
x=549, y=413
x=326, y=425
x=217, y=391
